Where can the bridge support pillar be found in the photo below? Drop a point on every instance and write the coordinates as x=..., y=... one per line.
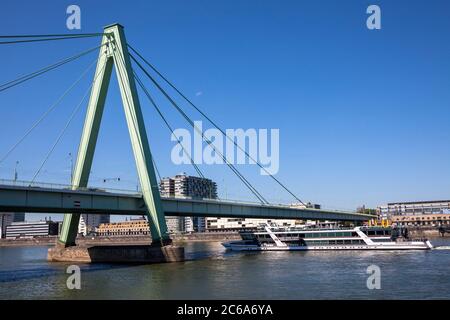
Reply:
x=116, y=254
x=114, y=51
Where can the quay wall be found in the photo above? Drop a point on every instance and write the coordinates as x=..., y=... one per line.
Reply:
x=419, y=232
x=118, y=240
x=38, y=241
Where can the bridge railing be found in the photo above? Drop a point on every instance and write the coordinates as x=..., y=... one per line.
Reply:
x=59, y=186
x=279, y=205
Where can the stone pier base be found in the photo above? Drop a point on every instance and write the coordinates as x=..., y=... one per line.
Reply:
x=116, y=254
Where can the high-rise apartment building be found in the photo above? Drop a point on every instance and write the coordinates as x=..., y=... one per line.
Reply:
x=183, y=185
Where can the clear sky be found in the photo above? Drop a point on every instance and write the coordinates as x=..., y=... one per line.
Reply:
x=363, y=114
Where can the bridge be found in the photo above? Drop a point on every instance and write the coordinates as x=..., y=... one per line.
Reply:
x=57, y=200
x=114, y=51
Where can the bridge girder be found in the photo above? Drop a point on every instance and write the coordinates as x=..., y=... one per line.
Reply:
x=32, y=199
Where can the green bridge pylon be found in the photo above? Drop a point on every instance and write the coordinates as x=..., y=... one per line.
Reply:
x=114, y=51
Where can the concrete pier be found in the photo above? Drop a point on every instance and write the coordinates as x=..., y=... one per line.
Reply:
x=116, y=254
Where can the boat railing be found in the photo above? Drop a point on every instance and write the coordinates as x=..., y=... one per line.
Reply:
x=294, y=229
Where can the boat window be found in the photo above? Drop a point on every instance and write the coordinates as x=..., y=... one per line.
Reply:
x=381, y=240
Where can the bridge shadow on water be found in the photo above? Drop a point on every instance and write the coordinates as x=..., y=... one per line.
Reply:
x=58, y=269
x=30, y=263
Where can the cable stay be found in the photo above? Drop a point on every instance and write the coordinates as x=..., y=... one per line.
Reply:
x=156, y=169
x=235, y=171
x=58, y=139
x=122, y=60
x=121, y=78
x=47, y=112
x=48, y=68
x=214, y=124
x=153, y=103
x=208, y=141
x=238, y=174
x=43, y=38
x=52, y=35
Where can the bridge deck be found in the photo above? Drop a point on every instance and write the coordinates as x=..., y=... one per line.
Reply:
x=47, y=200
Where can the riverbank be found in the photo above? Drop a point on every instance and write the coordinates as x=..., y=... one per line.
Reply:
x=415, y=232
x=122, y=240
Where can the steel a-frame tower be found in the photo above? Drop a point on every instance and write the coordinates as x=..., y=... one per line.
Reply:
x=114, y=51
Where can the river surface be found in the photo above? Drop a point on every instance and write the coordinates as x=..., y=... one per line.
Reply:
x=213, y=273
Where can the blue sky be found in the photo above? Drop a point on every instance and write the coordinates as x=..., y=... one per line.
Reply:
x=362, y=113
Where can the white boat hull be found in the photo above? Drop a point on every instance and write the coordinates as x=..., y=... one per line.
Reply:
x=399, y=246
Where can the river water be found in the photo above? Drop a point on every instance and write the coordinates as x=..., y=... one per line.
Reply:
x=213, y=273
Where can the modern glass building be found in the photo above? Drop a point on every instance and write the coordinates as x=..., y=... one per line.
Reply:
x=7, y=218
x=31, y=229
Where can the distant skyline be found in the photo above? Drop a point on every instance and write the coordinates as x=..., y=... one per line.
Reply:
x=362, y=114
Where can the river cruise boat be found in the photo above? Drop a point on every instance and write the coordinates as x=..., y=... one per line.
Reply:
x=273, y=238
